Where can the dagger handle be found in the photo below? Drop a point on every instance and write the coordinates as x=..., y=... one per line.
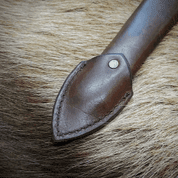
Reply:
x=143, y=30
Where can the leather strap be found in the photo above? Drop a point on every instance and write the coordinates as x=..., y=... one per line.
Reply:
x=98, y=89
x=143, y=30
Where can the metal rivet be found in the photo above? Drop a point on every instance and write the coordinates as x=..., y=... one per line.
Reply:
x=113, y=64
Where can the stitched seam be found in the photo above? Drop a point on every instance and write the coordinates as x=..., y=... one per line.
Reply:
x=60, y=105
x=127, y=94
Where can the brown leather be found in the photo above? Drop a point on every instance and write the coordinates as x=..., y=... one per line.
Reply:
x=94, y=93
x=143, y=30
x=91, y=96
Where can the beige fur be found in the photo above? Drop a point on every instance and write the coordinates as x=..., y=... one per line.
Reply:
x=40, y=44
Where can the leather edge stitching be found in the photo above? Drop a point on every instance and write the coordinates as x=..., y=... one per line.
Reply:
x=124, y=98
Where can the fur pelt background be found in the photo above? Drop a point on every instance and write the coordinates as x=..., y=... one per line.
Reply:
x=40, y=43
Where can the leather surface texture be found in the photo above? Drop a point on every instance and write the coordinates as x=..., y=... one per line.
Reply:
x=92, y=95
x=143, y=30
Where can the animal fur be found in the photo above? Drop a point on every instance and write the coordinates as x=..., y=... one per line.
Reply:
x=40, y=44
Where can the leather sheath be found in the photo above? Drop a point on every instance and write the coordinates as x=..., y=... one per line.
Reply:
x=94, y=93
